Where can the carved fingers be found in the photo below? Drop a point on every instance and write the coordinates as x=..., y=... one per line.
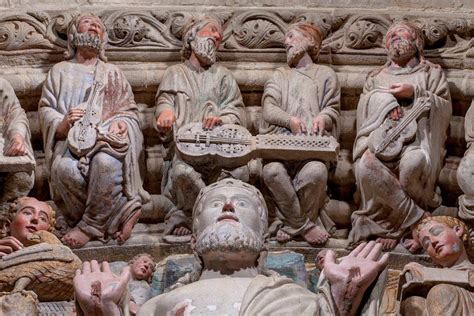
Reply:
x=210, y=122
x=414, y=270
x=165, y=120
x=74, y=114
x=396, y=113
x=16, y=146
x=8, y=245
x=118, y=128
x=402, y=90
x=297, y=126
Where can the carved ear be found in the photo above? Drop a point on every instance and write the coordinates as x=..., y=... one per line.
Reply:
x=459, y=230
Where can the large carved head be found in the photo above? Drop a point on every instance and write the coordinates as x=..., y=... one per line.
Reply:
x=142, y=267
x=28, y=215
x=404, y=41
x=229, y=218
x=301, y=38
x=87, y=31
x=443, y=238
x=202, y=38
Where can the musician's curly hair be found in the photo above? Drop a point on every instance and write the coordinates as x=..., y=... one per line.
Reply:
x=450, y=222
x=144, y=254
x=190, y=31
x=312, y=32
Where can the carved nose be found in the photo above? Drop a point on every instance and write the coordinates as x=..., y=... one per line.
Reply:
x=228, y=207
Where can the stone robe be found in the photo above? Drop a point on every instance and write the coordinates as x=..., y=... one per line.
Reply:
x=444, y=299
x=299, y=188
x=263, y=295
x=193, y=95
x=102, y=190
x=395, y=194
x=465, y=173
x=13, y=120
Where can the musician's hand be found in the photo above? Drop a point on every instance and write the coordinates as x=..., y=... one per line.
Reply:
x=118, y=128
x=210, y=121
x=71, y=116
x=415, y=269
x=402, y=90
x=8, y=245
x=319, y=125
x=16, y=147
x=165, y=120
x=396, y=113
x=297, y=126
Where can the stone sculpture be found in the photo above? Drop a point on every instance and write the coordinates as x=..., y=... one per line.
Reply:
x=196, y=91
x=229, y=242
x=465, y=173
x=449, y=289
x=92, y=139
x=142, y=267
x=397, y=189
x=302, y=98
x=16, y=154
x=32, y=258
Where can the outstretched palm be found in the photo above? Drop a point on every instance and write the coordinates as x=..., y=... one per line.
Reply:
x=98, y=291
x=353, y=274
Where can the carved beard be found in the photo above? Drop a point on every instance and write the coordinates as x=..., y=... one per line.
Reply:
x=227, y=237
x=87, y=40
x=294, y=54
x=401, y=49
x=205, y=50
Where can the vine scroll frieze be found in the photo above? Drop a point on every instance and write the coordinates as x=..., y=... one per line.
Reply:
x=245, y=31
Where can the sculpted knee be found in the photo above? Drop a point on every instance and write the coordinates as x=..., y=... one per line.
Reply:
x=272, y=171
x=465, y=173
x=440, y=298
x=106, y=162
x=316, y=171
x=181, y=172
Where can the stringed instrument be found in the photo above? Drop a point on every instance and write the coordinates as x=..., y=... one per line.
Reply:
x=231, y=146
x=386, y=142
x=83, y=134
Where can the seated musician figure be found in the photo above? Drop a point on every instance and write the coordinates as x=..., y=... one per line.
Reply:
x=229, y=242
x=303, y=98
x=14, y=142
x=198, y=90
x=445, y=239
x=410, y=95
x=92, y=139
x=465, y=173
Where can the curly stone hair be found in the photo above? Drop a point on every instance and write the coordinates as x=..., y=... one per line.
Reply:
x=450, y=222
x=13, y=210
x=415, y=33
x=312, y=32
x=72, y=31
x=190, y=31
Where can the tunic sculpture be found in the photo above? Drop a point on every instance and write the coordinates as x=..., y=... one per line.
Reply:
x=396, y=191
x=86, y=100
x=444, y=239
x=196, y=91
x=302, y=98
x=16, y=154
x=229, y=242
x=465, y=173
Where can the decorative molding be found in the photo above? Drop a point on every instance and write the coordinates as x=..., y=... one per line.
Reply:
x=346, y=36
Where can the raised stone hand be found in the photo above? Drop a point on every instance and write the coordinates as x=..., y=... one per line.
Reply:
x=297, y=126
x=353, y=274
x=8, y=245
x=415, y=270
x=210, y=122
x=71, y=116
x=402, y=90
x=98, y=291
x=118, y=128
x=166, y=120
x=16, y=147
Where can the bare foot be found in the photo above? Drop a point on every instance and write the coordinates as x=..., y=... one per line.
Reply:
x=282, y=236
x=387, y=243
x=126, y=231
x=75, y=238
x=181, y=231
x=411, y=245
x=315, y=236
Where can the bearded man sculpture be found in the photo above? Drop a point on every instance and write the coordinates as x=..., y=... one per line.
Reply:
x=445, y=240
x=97, y=187
x=229, y=243
x=396, y=189
x=304, y=98
x=196, y=91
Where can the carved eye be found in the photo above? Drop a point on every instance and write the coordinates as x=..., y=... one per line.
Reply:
x=217, y=204
x=241, y=203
